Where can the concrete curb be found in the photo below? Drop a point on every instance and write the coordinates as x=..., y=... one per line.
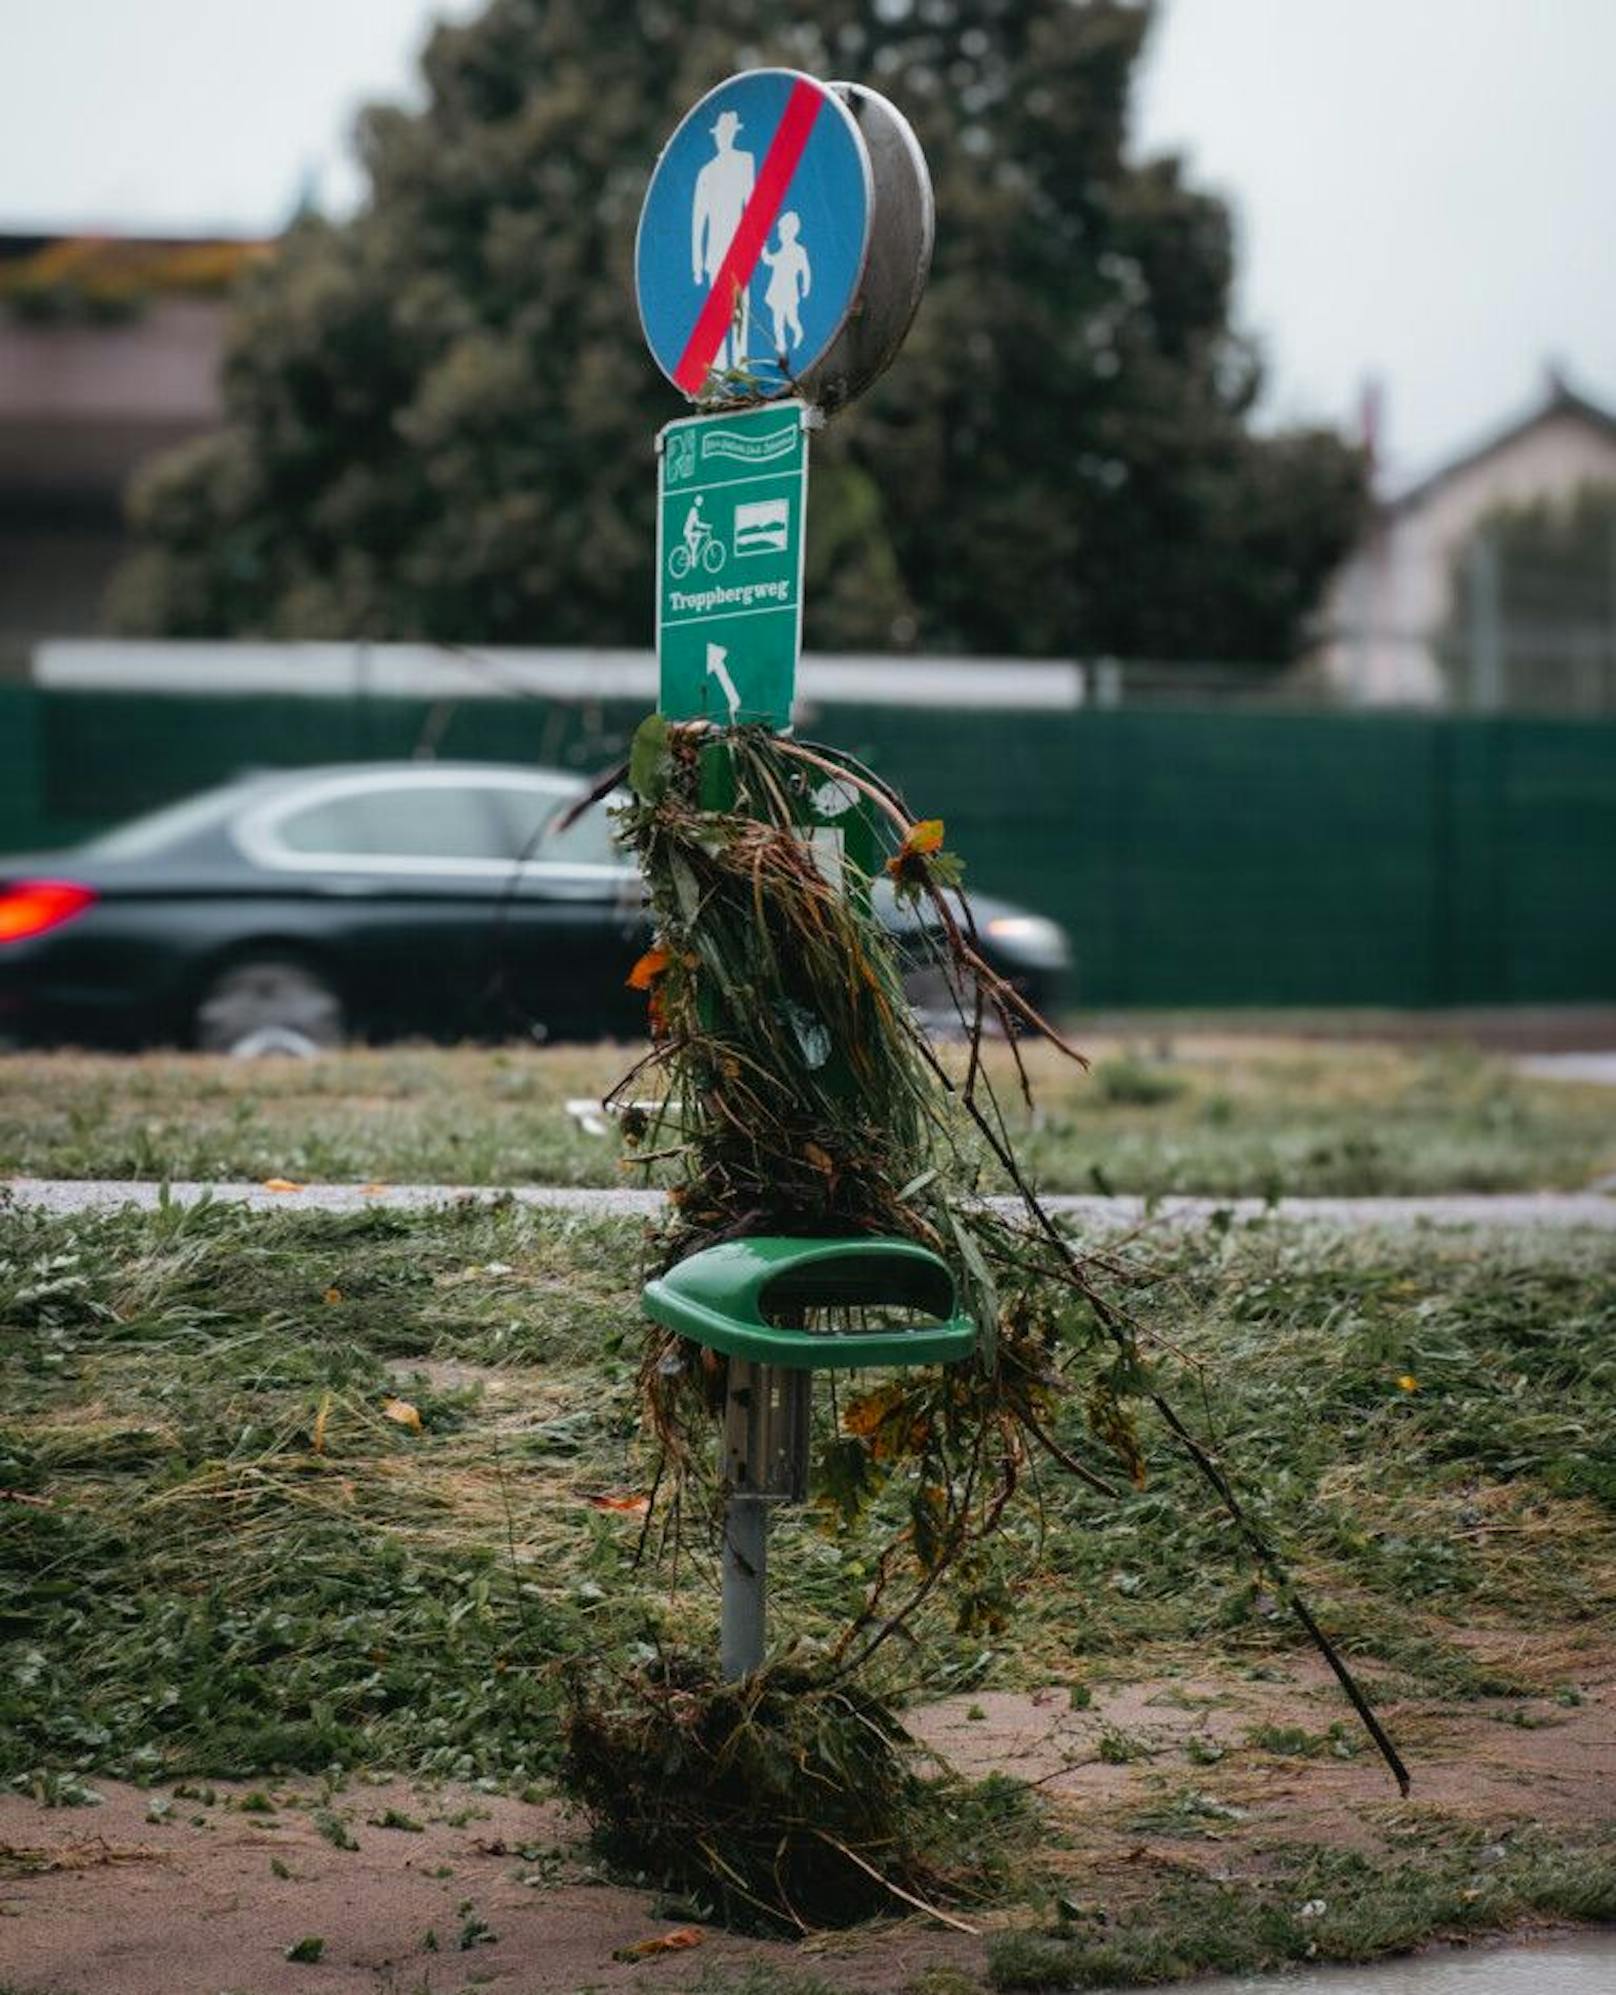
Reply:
x=1493, y=1210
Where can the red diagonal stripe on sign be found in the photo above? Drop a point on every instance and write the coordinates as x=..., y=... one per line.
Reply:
x=751, y=233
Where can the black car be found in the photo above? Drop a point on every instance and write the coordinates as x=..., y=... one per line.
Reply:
x=373, y=901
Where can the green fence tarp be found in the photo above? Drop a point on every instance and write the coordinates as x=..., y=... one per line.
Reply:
x=1196, y=858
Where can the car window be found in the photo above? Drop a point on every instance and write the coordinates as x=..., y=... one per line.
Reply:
x=530, y=812
x=159, y=829
x=411, y=821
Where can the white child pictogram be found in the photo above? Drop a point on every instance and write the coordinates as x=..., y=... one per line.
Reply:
x=790, y=280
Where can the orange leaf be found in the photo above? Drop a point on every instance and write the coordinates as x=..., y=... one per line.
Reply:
x=320, y=1420
x=405, y=1414
x=863, y=1416
x=675, y=1942
x=333, y=1295
x=646, y=971
x=820, y=1159
x=925, y=838
x=282, y=1184
x=632, y=1506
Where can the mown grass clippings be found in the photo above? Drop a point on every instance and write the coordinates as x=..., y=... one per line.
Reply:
x=383, y=1599
x=1317, y=1905
x=221, y=1600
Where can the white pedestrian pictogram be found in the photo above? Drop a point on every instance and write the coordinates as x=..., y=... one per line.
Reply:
x=790, y=280
x=718, y=668
x=723, y=188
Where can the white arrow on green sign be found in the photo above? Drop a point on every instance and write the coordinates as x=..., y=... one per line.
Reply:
x=731, y=496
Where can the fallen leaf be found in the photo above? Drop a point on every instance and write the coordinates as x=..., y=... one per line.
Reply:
x=405, y=1414
x=820, y=1159
x=23, y=1496
x=320, y=1420
x=1409, y=1382
x=282, y=1184
x=333, y=1295
x=862, y=1416
x=646, y=971
x=371, y=1191
x=632, y=1506
x=675, y=1942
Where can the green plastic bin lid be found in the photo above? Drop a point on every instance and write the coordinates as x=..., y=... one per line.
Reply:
x=742, y=1296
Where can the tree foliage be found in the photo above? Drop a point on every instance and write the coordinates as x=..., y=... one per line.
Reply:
x=1534, y=585
x=440, y=413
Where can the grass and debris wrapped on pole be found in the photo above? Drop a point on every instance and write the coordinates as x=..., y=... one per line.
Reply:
x=801, y=1096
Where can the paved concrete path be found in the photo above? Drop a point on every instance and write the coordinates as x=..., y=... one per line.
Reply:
x=1598, y=1067
x=1495, y=1209
x=1582, y=1965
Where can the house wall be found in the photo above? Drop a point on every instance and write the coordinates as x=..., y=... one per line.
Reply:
x=1390, y=601
x=80, y=407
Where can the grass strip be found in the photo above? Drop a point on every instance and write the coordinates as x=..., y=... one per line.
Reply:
x=221, y=1553
x=1184, y=1113
x=1314, y=1906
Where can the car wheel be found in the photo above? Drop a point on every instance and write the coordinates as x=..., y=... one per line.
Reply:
x=269, y=1004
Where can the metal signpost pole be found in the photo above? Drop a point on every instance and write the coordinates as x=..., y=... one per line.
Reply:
x=745, y=1582
x=782, y=250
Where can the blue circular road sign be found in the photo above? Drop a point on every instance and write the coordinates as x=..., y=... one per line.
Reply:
x=754, y=236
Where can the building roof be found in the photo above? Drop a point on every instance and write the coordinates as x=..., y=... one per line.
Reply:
x=1559, y=399
x=101, y=277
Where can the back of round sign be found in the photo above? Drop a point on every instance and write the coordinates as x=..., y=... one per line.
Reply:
x=902, y=230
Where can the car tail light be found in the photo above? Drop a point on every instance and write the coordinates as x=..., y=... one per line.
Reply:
x=33, y=906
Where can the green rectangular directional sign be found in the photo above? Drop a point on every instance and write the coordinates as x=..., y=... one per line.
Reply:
x=730, y=503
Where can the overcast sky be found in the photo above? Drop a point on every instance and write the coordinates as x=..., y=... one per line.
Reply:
x=1422, y=187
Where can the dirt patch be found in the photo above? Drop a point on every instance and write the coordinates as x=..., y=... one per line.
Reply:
x=486, y=1891
x=430, y=1890
x=1189, y=1769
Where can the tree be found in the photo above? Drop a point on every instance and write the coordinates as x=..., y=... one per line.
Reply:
x=1531, y=617
x=440, y=413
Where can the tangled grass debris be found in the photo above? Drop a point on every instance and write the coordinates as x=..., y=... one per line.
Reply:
x=780, y=1802
x=802, y=1097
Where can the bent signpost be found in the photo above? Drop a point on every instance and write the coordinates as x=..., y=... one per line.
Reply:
x=752, y=265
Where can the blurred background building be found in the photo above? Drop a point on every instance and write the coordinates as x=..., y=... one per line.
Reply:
x=110, y=350
x=1491, y=583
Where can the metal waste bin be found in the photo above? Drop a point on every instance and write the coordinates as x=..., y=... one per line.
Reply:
x=781, y=1309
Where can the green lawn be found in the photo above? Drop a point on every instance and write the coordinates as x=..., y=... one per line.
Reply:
x=293, y=1490
x=1222, y=1116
